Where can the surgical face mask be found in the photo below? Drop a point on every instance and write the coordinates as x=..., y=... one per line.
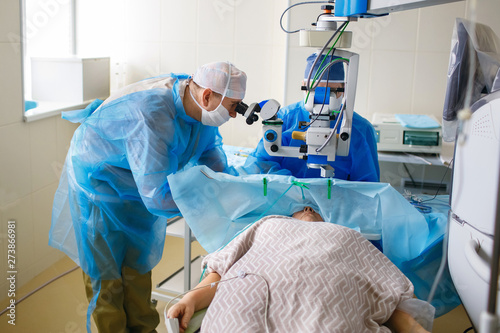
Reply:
x=337, y=102
x=214, y=118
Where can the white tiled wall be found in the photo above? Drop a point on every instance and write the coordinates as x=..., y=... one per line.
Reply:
x=42, y=211
x=43, y=152
x=15, y=175
x=179, y=28
x=21, y=210
x=28, y=154
x=430, y=82
x=145, y=20
x=163, y=36
x=10, y=82
x=487, y=13
x=436, y=26
x=10, y=20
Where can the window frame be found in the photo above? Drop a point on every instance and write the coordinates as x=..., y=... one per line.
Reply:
x=46, y=109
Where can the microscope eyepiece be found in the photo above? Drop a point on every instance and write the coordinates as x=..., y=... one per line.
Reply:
x=241, y=108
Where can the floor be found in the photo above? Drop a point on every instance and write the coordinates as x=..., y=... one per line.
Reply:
x=61, y=306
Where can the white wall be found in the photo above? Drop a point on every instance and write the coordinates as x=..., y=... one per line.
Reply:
x=152, y=37
x=31, y=156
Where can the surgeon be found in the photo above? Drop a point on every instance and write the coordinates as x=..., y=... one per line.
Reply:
x=111, y=207
x=362, y=162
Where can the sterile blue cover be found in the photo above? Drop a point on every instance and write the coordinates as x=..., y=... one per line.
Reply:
x=217, y=206
x=111, y=207
x=422, y=269
x=417, y=121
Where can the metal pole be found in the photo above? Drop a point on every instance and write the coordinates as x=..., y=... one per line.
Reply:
x=73, y=27
x=492, y=297
x=187, y=257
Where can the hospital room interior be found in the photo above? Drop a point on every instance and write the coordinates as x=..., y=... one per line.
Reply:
x=437, y=169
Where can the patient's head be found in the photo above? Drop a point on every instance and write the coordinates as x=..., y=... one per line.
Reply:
x=308, y=214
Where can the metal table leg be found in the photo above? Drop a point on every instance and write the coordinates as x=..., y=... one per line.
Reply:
x=187, y=257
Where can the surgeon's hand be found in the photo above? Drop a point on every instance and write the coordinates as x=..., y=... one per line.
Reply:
x=184, y=311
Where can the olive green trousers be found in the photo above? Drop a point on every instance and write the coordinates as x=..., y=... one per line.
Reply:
x=124, y=305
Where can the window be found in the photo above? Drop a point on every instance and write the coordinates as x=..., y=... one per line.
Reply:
x=54, y=75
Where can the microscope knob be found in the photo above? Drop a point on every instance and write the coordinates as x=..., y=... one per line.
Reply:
x=271, y=135
x=344, y=136
x=252, y=118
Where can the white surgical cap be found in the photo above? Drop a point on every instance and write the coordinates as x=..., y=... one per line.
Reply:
x=215, y=76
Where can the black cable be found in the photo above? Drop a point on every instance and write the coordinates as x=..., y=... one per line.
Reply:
x=37, y=289
x=322, y=14
x=324, y=70
x=469, y=329
x=409, y=174
x=439, y=186
x=297, y=4
x=341, y=28
x=368, y=15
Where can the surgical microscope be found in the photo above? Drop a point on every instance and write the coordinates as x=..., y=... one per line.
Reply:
x=328, y=133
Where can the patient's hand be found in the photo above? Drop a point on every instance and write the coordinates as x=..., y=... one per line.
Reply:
x=401, y=322
x=198, y=298
x=183, y=310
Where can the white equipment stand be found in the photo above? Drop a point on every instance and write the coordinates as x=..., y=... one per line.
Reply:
x=475, y=214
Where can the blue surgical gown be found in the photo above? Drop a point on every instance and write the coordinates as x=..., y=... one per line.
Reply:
x=112, y=204
x=361, y=164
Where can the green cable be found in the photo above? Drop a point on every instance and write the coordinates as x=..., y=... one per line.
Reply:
x=324, y=58
x=330, y=50
x=203, y=273
x=300, y=184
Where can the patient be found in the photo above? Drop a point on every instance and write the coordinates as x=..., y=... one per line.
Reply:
x=284, y=275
